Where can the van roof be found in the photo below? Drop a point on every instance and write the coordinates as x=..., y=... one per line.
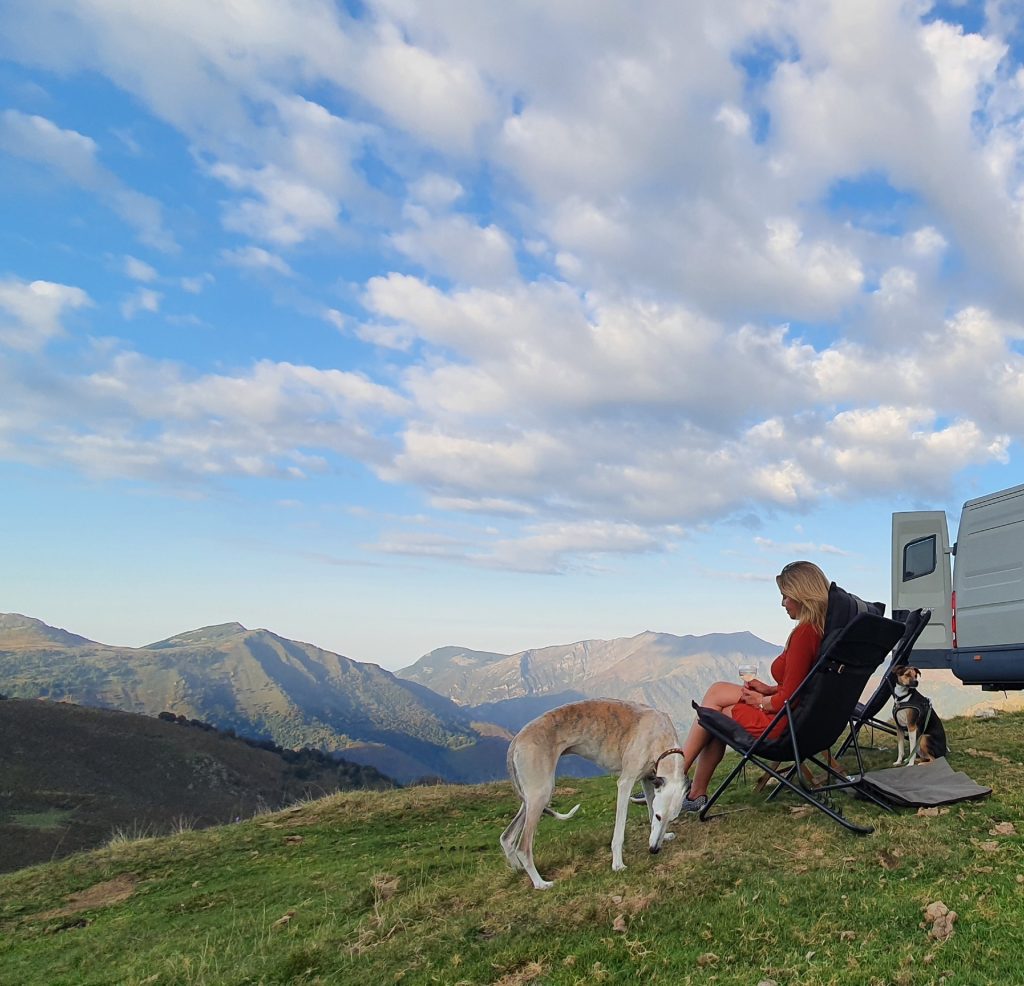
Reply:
x=998, y=495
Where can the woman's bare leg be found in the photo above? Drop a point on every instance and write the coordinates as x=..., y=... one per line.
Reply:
x=700, y=746
x=710, y=757
x=721, y=696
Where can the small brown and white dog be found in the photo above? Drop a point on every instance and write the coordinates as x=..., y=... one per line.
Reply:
x=637, y=741
x=915, y=716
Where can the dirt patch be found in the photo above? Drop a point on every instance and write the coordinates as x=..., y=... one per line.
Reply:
x=99, y=895
x=527, y=974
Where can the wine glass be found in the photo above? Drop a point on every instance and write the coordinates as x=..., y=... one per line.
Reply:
x=748, y=672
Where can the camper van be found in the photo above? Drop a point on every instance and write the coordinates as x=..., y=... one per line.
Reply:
x=974, y=588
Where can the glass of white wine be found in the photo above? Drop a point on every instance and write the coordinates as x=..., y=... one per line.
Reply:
x=748, y=672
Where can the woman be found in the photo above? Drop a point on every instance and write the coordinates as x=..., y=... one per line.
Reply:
x=804, y=589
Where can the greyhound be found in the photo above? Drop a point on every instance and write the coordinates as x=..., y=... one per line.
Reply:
x=636, y=740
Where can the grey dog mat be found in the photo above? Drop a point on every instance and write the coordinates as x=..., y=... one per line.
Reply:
x=923, y=785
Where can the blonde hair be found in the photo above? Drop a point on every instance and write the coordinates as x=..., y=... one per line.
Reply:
x=807, y=586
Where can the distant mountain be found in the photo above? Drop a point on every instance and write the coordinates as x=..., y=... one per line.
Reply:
x=17, y=629
x=252, y=681
x=72, y=776
x=658, y=669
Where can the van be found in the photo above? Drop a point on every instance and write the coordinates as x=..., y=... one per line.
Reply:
x=974, y=588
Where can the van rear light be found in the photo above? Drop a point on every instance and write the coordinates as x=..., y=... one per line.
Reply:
x=952, y=620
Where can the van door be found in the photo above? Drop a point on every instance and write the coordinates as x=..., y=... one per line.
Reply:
x=922, y=578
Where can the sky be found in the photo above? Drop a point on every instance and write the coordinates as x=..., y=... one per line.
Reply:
x=392, y=325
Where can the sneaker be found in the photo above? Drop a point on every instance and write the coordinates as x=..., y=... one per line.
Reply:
x=694, y=804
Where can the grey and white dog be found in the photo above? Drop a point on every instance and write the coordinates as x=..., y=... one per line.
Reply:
x=637, y=741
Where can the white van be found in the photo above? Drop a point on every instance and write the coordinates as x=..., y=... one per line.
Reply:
x=977, y=604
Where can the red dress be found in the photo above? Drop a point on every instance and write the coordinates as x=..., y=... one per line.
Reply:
x=788, y=669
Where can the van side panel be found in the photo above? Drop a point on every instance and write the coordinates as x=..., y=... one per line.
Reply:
x=989, y=573
x=922, y=579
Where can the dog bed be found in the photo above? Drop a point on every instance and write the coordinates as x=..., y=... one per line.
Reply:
x=923, y=785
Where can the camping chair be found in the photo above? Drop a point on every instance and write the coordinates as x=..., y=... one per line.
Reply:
x=866, y=713
x=841, y=609
x=813, y=718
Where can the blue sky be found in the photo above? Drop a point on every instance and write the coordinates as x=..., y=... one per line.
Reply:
x=394, y=325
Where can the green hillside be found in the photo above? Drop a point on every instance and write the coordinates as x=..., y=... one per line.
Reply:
x=410, y=887
x=72, y=776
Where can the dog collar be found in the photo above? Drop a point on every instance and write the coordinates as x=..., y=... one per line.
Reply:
x=675, y=749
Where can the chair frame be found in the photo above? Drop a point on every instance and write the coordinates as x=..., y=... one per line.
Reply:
x=766, y=751
x=866, y=714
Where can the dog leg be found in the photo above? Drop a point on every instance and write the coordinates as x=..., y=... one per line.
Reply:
x=647, y=799
x=525, y=851
x=912, y=743
x=625, y=787
x=899, y=746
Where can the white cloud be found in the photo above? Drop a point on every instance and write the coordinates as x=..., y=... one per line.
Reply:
x=798, y=548
x=196, y=284
x=456, y=248
x=336, y=318
x=75, y=157
x=142, y=300
x=927, y=241
x=256, y=258
x=626, y=285
x=440, y=99
x=435, y=191
x=139, y=270
x=32, y=313
x=132, y=416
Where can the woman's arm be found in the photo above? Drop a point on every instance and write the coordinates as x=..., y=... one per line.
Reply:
x=801, y=653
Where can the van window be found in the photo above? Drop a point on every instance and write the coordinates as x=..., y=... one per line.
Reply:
x=919, y=558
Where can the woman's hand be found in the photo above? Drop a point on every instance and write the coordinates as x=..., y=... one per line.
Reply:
x=748, y=696
x=761, y=688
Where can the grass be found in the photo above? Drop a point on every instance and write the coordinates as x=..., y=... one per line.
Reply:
x=52, y=818
x=411, y=887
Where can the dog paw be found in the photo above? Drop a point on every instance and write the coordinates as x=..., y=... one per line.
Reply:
x=896, y=763
x=618, y=866
x=668, y=837
x=544, y=885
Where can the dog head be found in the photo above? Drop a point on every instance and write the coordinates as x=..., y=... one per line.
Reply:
x=671, y=785
x=908, y=677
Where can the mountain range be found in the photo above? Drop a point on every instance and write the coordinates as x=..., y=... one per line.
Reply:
x=267, y=686
x=657, y=669
x=252, y=681
x=448, y=716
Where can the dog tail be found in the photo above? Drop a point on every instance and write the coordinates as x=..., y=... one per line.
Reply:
x=562, y=817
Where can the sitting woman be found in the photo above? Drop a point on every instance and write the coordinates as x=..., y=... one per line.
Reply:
x=804, y=589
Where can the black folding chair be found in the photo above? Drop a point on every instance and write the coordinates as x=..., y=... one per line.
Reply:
x=813, y=718
x=866, y=713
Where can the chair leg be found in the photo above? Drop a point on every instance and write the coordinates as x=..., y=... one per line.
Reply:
x=784, y=781
x=704, y=815
x=821, y=805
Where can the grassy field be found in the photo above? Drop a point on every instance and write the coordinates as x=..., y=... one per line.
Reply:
x=411, y=887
